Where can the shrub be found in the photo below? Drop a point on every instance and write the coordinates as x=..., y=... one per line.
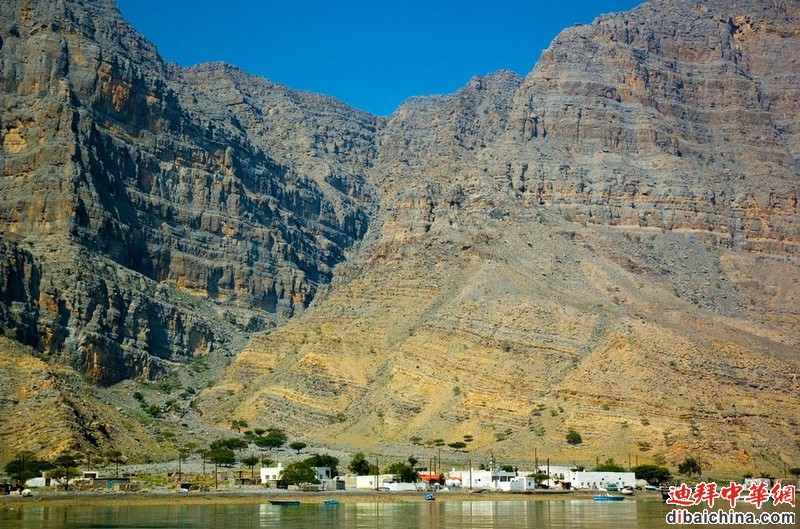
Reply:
x=574, y=438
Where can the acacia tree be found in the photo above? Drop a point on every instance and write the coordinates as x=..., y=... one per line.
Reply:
x=116, y=457
x=250, y=461
x=65, y=469
x=183, y=453
x=220, y=456
x=275, y=438
x=297, y=445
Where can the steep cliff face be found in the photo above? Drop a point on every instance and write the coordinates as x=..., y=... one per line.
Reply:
x=608, y=245
x=152, y=229
x=676, y=115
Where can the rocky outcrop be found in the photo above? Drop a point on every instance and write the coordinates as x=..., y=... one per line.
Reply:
x=128, y=188
x=675, y=115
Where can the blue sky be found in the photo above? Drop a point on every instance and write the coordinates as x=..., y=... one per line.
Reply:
x=371, y=54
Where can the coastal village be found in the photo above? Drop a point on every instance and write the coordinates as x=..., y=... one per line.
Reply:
x=320, y=474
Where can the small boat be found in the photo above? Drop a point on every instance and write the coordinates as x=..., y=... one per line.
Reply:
x=331, y=502
x=626, y=491
x=429, y=496
x=284, y=502
x=608, y=497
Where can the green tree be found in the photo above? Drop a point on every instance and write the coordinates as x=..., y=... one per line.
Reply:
x=232, y=443
x=297, y=445
x=795, y=471
x=26, y=466
x=458, y=445
x=65, y=469
x=298, y=473
x=539, y=478
x=574, y=438
x=415, y=440
x=221, y=456
x=609, y=466
x=275, y=438
x=183, y=453
x=653, y=474
x=116, y=457
x=324, y=460
x=403, y=472
x=238, y=424
x=251, y=462
x=690, y=467
x=360, y=466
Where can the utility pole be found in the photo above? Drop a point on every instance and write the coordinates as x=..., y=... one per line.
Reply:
x=470, y=474
x=548, y=471
x=536, y=459
x=377, y=471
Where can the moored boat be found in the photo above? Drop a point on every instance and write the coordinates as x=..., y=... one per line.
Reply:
x=284, y=502
x=608, y=497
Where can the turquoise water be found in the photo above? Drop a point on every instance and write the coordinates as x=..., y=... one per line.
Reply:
x=430, y=515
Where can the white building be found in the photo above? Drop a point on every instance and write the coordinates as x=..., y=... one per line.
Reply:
x=271, y=475
x=599, y=480
x=369, y=482
x=522, y=483
x=482, y=479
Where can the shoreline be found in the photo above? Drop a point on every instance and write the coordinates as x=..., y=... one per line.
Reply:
x=84, y=499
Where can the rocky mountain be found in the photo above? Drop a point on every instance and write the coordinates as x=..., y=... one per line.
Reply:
x=143, y=224
x=608, y=245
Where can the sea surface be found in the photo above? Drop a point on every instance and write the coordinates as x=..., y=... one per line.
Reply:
x=549, y=514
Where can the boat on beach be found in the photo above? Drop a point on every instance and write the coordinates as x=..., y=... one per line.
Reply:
x=429, y=496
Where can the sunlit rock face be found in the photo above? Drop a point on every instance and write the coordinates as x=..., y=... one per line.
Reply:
x=141, y=224
x=608, y=244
